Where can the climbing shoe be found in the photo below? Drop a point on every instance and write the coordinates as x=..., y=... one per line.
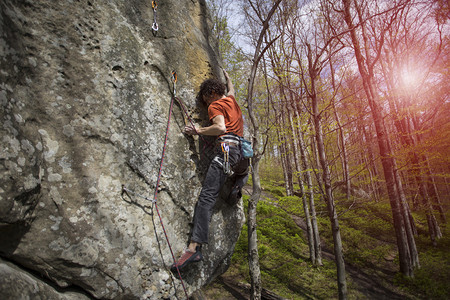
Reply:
x=187, y=258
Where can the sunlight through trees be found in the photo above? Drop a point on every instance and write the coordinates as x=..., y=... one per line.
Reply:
x=351, y=99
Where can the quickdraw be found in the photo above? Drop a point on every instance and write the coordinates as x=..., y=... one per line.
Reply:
x=226, y=158
x=155, y=26
x=174, y=81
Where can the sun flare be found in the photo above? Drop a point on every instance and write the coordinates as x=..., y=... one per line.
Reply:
x=410, y=78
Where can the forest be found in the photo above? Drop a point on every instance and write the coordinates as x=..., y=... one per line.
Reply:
x=347, y=106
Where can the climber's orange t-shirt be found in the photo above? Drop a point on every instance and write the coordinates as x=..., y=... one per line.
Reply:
x=230, y=110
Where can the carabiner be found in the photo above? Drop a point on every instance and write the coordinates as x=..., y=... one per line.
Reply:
x=155, y=26
x=174, y=76
x=226, y=158
x=174, y=79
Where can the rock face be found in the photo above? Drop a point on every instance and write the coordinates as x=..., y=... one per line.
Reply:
x=85, y=92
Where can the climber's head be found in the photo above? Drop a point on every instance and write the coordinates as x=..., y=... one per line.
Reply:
x=211, y=90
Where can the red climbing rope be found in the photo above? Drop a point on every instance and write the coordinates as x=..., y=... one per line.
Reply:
x=154, y=201
x=174, y=80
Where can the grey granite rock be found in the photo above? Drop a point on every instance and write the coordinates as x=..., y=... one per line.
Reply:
x=85, y=92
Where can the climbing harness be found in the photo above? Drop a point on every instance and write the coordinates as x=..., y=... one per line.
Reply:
x=155, y=26
x=154, y=201
x=226, y=141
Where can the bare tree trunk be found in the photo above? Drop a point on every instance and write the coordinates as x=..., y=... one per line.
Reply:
x=310, y=191
x=408, y=220
x=372, y=165
x=286, y=153
x=309, y=229
x=341, y=140
x=387, y=159
x=339, y=256
x=431, y=187
x=414, y=170
x=253, y=256
x=326, y=177
x=285, y=164
x=403, y=124
x=284, y=136
x=434, y=191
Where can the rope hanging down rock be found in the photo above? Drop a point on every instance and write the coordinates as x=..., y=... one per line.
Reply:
x=154, y=201
x=174, y=79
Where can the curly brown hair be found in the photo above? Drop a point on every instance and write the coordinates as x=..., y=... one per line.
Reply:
x=210, y=86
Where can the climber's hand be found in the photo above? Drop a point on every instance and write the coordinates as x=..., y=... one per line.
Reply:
x=191, y=130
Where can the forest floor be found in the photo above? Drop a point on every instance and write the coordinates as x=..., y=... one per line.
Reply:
x=368, y=284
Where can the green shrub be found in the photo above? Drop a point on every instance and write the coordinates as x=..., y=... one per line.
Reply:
x=431, y=280
x=367, y=235
x=292, y=204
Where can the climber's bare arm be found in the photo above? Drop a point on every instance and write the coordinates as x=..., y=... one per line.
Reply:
x=217, y=128
x=230, y=86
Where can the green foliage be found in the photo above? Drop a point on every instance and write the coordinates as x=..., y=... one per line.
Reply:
x=270, y=170
x=431, y=280
x=273, y=187
x=368, y=243
x=283, y=251
x=276, y=190
x=361, y=249
x=372, y=219
x=366, y=227
x=292, y=204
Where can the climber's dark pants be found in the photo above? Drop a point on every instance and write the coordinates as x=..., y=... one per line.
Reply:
x=214, y=180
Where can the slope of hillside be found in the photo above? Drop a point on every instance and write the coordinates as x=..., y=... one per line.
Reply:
x=369, y=246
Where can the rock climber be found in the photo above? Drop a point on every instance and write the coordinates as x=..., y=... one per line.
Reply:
x=228, y=125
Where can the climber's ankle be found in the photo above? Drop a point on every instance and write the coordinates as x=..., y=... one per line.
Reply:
x=193, y=246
